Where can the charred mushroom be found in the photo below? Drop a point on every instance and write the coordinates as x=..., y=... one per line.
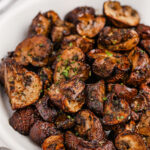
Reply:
x=115, y=39
x=121, y=16
x=68, y=96
x=35, y=50
x=89, y=25
x=23, y=87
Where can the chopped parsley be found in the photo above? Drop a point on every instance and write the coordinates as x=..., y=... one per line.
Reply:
x=104, y=98
x=70, y=44
x=41, y=44
x=108, y=53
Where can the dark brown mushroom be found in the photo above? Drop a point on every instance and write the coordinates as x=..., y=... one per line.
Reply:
x=41, y=130
x=143, y=31
x=122, y=91
x=95, y=95
x=35, y=50
x=115, y=110
x=64, y=121
x=115, y=39
x=68, y=96
x=47, y=112
x=121, y=16
x=84, y=43
x=54, y=142
x=143, y=126
x=89, y=25
x=22, y=120
x=146, y=45
x=129, y=140
x=110, y=65
x=88, y=125
x=74, y=14
x=76, y=143
x=140, y=67
x=23, y=87
x=39, y=26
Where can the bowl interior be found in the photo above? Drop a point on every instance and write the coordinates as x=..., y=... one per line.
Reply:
x=14, y=26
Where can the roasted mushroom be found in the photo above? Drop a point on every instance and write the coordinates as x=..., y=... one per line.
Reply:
x=35, y=50
x=45, y=74
x=54, y=142
x=39, y=26
x=115, y=110
x=143, y=126
x=121, y=16
x=76, y=143
x=110, y=65
x=41, y=130
x=47, y=112
x=122, y=91
x=88, y=125
x=143, y=31
x=22, y=120
x=139, y=102
x=84, y=43
x=64, y=121
x=146, y=45
x=95, y=95
x=130, y=141
x=70, y=65
x=60, y=30
x=130, y=126
x=73, y=15
x=23, y=87
x=52, y=16
x=140, y=66
x=145, y=87
x=115, y=39
x=68, y=96
x=89, y=25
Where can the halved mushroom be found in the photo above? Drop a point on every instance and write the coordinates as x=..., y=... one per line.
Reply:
x=88, y=125
x=68, y=96
x=143, y=126
x=40, y=26
x=64, y=121
x=35, y=50
x=74, y=54
x=54, y=142
x=60, y=30
x=84, y=43
x=70, y=65
x=110, y=65
x=143, y=31
x=95, y=96
x=47, y=112
x=76, y=143
x=121, y=16
x=23, y=86
x=145, y=87
x=23, y=119
x=74, y=14
x=122, y=91
x=115, y=39
x=130, y=126
x=146, y=45
x=45, y=74
x=140, y=66
x=41, y=130
x=129, y=141
x=66, y=70
x=90, y=26
x=52, y=16
x=115, y=110
x=139, y=102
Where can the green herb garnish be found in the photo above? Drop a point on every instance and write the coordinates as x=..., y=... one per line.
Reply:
x=109, y=53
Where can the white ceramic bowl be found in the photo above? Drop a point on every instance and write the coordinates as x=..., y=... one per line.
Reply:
x=13, y=28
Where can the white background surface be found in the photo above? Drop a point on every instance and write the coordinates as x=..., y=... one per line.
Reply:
x=14, y=25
